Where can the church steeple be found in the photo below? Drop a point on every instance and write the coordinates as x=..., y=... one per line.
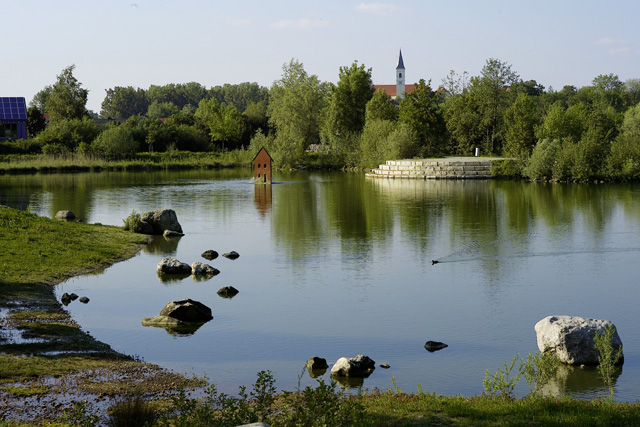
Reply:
x=400, y=78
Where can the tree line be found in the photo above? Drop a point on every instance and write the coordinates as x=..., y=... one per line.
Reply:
x=592, y=132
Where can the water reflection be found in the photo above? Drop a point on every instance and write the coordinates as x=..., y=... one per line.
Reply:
x=160, y=245
x=263, y=198
x=570, y=380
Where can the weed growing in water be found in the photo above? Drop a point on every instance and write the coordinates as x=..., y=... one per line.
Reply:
x=501, y=384
x=538, y=369
x=133, y=222
x=608, y=357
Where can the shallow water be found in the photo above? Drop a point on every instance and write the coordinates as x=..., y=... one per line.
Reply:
x=335, y=264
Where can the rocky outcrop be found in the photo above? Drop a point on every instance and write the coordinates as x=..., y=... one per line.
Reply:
x=65, y=215
x=173, y=266
x=180, y=313
x=359, y=366
x=161, y=220
x=571, y=338
x=171, y=233
x=231, y=255
x=228, y=292
x=210, y=255
x=202, y=269
x=432, y=346
x=315, y=363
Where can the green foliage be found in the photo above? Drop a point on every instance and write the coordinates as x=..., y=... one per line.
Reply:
x=502, y=382
x=348, y=101
x=374, y=143
x=296, y=112
x=420, y=112
x=538, y=369
x=133, y=411
x=68, y=99
x=464, y=124
x=381, y=107
x=508, y=168
x=159, y=109
x=79, y=415
x=133, y=222
x=69, y=133
x=225, y=123
x=520, y=120
x=123, y=102
x=35, y=121
x=608, y=355
x=114, y=143
x=543, y=159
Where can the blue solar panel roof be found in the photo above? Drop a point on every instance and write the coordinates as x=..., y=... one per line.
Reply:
x=13, y=108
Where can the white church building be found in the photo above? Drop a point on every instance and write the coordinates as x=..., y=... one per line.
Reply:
x=398, y=90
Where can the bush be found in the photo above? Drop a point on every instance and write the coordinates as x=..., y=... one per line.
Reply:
x=506, y=168
x=115, y=143
x=69, y=133
x=133, y=222
x=133, y=412
x=543, y=159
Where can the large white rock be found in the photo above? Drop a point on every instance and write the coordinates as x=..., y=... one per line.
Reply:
x=173, y=266
x=571, y=338
x=359, y=366
x=161, y=220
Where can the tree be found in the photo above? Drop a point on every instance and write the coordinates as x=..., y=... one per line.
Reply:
x=464, y=122
x=609, y=90
x=296, y=111
x=162, y=109
x=225, y=123
x=419, y=110
x=40, y=99
x=520, y=120
x=349, y=100
x=560, y=124
x=35, y=121
x=68, y=99
x=381, y=107
x=456, y=84
x=492, y=89
x=632, y=92
x=124, y=102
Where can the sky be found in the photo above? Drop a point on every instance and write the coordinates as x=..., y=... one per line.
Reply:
x=156, y=42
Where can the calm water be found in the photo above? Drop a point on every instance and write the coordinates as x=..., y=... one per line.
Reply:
x=335, y=264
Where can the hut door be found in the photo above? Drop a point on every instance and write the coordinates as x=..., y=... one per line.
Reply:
x=264, y=178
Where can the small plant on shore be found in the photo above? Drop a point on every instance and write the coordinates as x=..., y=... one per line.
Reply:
x=502, y=383
x=609, y=355
x=133, y=222
x=132, y=412
x=79, y=415
x=538, y=369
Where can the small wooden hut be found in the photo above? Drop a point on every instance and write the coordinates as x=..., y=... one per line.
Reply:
x=262, y=167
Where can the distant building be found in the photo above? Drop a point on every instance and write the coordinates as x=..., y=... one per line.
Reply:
x=13, y=118
x=397, y=91
x=262, y=167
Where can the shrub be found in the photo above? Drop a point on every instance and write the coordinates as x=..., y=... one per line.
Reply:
x=132, y=412
x=115, y=143
x=543, y=159
x=69, y=133
x=133, y=222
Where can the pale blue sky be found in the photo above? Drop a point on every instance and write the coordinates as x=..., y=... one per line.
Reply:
x=143, y=42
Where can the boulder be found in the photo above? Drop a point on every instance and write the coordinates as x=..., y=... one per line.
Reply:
x=432, y=346
x=180, y=313
x=84, y=300
x=161, y=220
x=359, y=366
x=173, y=266
x=171, y=233
x=571, y=338
x=145, y=228
x=231, y=255
x=65, y=215
x=210, y=255
x=228, y=292
x=202, y=269
x=315, y=363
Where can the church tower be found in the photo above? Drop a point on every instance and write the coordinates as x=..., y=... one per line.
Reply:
x=400, y=78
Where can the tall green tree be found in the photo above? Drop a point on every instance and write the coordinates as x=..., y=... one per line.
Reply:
x=35, y=121
x=381, y=107
x=349, y=100
x=296, y=111
x=68, y=99
x=492, y=90
x=464, y=122
x=124, y=102
x=420, y=111
x=40, y=99
x=520, y=120
x=225, y=123
x=609, y=90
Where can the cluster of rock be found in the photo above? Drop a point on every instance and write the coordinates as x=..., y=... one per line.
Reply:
x=67, y=298
x=173, y=266
x=571, y=338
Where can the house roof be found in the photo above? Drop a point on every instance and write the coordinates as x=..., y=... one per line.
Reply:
x=391, y=89
x=13, y=108
x=400, y=62
x=261, y=150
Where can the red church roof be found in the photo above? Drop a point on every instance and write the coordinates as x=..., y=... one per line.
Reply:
x=391, y=89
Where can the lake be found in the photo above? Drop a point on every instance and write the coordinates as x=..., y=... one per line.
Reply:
x=336, y=264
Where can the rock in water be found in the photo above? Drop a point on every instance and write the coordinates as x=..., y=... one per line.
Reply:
x=316, y=362
x=359, y=366
x=231, y=255
x=228, y=292
x=210, y=255
x=432, y=346
x=202, y=269
x=65, y=215
x=187, y=310
x=161, y=220
x=571, y=338
x=173, y=266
